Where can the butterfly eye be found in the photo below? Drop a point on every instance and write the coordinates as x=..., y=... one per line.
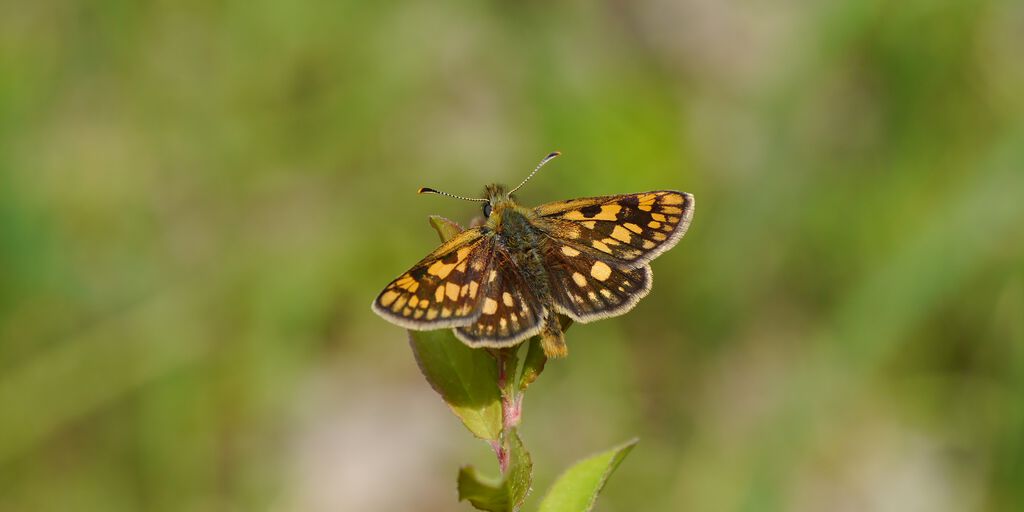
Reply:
x=487, y=209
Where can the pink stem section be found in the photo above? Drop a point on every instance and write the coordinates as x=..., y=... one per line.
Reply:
x=501, y=370
x=511, y=412
x=502, y=454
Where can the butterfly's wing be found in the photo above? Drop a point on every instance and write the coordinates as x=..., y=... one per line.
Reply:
x=586, y=285
x=510, y=311
x=632, y=229
x=445, y=289
x=597, y=249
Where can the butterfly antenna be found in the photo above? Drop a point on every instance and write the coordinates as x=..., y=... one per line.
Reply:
x=546, y=159
x=427, y=190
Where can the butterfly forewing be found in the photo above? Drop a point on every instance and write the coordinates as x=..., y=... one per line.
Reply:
x=631, y=228
x=445, y=289
x=509, y=313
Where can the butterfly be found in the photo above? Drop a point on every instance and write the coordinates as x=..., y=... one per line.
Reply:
x=508, y=279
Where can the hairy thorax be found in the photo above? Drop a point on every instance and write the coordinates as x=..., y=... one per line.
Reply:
x=515, y=230
x=511, y=224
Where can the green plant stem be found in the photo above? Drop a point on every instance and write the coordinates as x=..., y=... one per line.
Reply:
x=512, y=383
x=507, y=360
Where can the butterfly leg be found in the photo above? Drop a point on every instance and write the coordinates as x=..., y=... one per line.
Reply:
x=551, y=338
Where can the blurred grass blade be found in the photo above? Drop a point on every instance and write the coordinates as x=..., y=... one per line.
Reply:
x=577, y=489
x=466, y=378
x=876, y=318
x=505, y=495
x=89, y=372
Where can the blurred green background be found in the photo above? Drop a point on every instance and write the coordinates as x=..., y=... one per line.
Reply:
x=199, y=200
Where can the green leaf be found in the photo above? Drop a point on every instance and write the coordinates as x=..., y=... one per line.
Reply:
x=533, y=364
x=466, y=378
x=446, y=229
x=483, y=493
x=500, y=495
x=577, y=488
x=520, y=470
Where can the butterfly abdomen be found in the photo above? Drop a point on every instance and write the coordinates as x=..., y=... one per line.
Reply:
x=523, y=241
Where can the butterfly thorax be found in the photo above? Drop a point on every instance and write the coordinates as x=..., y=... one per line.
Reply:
x=512, y=226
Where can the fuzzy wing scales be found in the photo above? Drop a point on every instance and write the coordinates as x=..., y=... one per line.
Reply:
x=631, y=228
x=445, y=289
x=510, y=311
x=586, y=285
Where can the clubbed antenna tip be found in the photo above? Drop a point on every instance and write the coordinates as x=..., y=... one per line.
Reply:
x=543, y=161
x=428, y=190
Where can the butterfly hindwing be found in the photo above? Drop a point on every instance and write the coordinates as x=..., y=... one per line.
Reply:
x=510, y=311
x=445, y=289
x=586, y=285
x=632, y=228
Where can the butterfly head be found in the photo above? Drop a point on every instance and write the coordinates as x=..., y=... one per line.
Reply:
x=498, y=199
